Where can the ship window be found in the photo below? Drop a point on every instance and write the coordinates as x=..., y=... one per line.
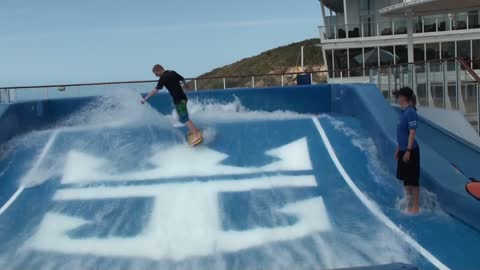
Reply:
x=328, y=55
x=340, y=59
x=433, y=51
x=356, y=62
x=386, y=56
x=371, y=57
x=401, y=52
x=463, y=50
x=419, y=52
x=476, y=53
x=448, y=51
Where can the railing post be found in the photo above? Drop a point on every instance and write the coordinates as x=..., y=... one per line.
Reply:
x=195, y=84
x=46, y=92
x=414, y=79
x=389, y=72
x=457, y=84
x=379, y=80
x=311, y=78
x=253, y=81
x=478, y=109
x=445, y=84
x=13, y=93
x=468, y=27
x=400, y=74
x=393, y=27
x=3, y=96
x=427, y=83
x=224, y=83
x=362, y=29
x=283, y=80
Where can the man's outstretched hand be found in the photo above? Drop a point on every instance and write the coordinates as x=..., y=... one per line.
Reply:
x=143, y=101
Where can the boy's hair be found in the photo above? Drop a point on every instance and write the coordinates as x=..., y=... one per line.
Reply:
x=413, y=101
x=157, y=67
x=409, y=94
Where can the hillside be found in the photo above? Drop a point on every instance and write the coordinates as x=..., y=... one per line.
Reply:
x=279, y=60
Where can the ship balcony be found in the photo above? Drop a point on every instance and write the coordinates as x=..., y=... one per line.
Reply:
x=398, y=27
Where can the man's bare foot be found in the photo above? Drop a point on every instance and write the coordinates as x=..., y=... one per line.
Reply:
x=414, y=210
x=195, y=137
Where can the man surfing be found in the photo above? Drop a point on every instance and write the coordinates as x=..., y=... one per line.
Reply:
x=171, y=80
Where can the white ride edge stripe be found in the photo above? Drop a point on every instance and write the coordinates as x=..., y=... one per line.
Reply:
x=40, y=158
x=373, y=207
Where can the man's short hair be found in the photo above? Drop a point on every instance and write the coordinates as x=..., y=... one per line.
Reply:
x=157, y=67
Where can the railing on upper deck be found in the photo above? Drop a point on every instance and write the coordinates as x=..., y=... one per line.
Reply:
x=446, y=83
x=399, y=27
x=13, y=94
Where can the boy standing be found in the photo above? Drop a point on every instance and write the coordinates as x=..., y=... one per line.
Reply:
x=408, y=151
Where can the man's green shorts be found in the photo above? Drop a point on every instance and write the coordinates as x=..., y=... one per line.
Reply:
x=182, y=111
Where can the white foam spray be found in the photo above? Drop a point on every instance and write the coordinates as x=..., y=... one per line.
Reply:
x=122, y=110
x=381, y=175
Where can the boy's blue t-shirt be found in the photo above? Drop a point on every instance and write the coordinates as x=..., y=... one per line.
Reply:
x=406, y=122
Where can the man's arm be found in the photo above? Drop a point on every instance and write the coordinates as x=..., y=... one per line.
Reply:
x=151, y=94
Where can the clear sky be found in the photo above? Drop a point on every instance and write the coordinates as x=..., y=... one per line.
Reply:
x=61, y=41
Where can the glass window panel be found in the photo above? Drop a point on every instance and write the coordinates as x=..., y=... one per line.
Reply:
x=400, y=27
x=386, y=56
x=354, y=30
x=419, y=52
x=460, y=21
x=356, y=62
x=476, y=53
x=433, y=51
x=328, y=54
x=369, y=27
x=448, y=50
x=430, y=24
x=463, y=50
x=401, y=52
x=385, y=28
x=418, y=26
x=367, y=7
x=443, y=23
x=473, y=19
x=341, y=33
x=340, y=59
x=371, y=57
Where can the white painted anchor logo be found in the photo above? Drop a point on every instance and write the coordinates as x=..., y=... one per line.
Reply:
x=185, y=219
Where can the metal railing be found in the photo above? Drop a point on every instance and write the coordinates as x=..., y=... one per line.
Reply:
x=13, y=94
x=399, y=27
x=448, y=84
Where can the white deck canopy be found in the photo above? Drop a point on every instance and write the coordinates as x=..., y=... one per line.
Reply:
x=429, y=7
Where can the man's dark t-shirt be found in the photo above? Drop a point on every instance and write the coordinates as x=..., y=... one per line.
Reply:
x=171, y=80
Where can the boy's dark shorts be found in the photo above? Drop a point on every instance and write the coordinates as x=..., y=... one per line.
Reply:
x=182, y=111
x=409, y=172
